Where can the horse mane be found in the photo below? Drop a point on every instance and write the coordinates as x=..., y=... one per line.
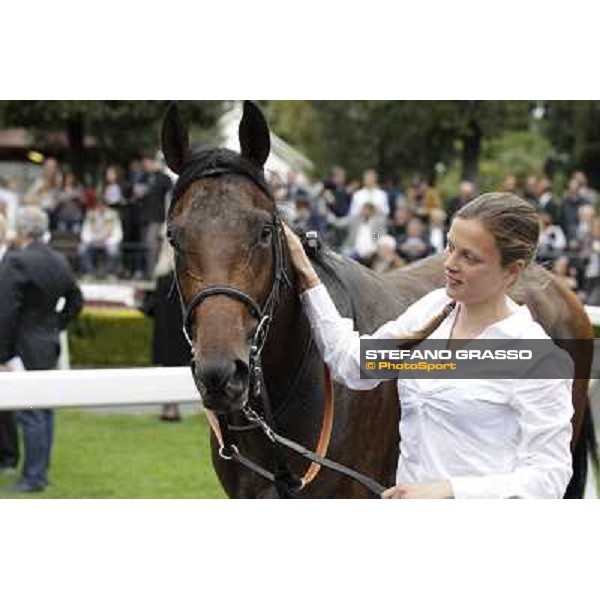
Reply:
x=366, y=297
x=211, y=161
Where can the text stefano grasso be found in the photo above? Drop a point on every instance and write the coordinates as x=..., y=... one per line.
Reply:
x=470, y=354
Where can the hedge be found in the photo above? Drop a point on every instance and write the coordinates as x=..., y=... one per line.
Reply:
x=110, y=338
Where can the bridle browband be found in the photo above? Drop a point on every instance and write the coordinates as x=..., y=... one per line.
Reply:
x=285, y=482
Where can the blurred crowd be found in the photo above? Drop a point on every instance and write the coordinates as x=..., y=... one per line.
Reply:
x=106, y=231
x=116, y=229
x=385, y=226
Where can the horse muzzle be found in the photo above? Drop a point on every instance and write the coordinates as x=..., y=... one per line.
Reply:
x=222, y=383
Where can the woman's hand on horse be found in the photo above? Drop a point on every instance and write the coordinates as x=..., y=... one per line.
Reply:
x=307, y=276
x=419, y=491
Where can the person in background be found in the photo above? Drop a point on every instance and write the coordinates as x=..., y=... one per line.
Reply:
x=3, y=236
x=133, y=259
x=169, y=346
x=414, y=245
x=69, y=210
x=362, y=231
x=285, y=207
x=294, y=188
x=306, y=217
x=340, y=199
x=587, y=193
x=546, y=201
x=422, y=199
x=152, y=194
x=565, y=272
x=9, y=202
x=585, y=226
x=510, y=184
x=9, y=439
x=569, y=214
x=531, y=189
x=386, y=259
x=402, y=216
x=33, y=278
x=371, y=193
x=467, y=191
x=44, y=190
x=436, y=232
x=552, y=242
x=395, y=193
x=101, y=233
x=591, y=277
x=112, y=193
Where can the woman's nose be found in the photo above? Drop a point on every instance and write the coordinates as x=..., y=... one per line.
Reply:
x=449, y=261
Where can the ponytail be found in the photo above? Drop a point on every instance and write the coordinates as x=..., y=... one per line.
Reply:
x=410, y=341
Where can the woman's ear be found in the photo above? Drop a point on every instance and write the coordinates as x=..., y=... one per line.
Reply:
x=512, y=272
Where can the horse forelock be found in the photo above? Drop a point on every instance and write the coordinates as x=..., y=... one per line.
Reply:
x=213, y=162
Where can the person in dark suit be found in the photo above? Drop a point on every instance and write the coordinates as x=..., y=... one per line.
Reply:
x=33, y=278
x=9, y=441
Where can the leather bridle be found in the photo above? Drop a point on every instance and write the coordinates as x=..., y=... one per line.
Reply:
x=263, y=314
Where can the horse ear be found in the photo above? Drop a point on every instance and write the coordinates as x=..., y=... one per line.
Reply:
x=255, y=140
x=175, y=139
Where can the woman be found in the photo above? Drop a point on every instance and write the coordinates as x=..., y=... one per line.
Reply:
x=464, y=438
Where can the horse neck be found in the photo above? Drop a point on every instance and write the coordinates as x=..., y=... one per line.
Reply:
x=286, y=345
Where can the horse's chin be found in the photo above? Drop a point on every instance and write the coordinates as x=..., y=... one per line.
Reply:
x=221, y=404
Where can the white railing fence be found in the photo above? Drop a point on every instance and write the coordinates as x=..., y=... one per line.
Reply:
x=109, y=387
x=96, y=387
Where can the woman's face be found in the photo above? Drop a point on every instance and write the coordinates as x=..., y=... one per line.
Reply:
x=472, y=266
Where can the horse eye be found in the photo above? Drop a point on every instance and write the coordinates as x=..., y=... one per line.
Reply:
x=172, y=238
x=265, y=234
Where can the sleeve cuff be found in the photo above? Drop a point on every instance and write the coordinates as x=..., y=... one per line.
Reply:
x=476, y=488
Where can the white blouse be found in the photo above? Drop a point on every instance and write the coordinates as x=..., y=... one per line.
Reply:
x=491, y=438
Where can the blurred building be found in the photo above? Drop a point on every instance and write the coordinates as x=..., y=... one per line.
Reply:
x=283, y=157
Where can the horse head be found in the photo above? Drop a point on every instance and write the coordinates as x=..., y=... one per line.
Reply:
x=223, y=226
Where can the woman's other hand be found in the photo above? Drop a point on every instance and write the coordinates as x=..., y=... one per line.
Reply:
x=307, y=276
x=419, y=491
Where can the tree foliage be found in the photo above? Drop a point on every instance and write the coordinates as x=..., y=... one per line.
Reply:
x=395, y=137
x=121, y=128
x=405, y=137
x=573, y=128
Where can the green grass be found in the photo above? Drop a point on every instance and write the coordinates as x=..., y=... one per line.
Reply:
x=127, y=456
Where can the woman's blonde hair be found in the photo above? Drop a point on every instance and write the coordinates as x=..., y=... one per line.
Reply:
x=514, y=225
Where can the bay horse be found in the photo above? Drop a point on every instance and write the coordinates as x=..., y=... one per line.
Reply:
x=232, y=268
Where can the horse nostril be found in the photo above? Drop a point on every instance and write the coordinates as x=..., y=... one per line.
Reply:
x=239, y=380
